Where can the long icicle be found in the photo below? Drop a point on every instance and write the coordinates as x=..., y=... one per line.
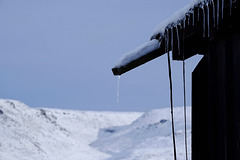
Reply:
x=184, y=98
x=185, y=107
x=167, y=40
x=172, y=39
x=193, y=19
x=184, y=22
x=217, y=12
x=204, y=25
x=208, y=25
x=230, y=7
x=198, y=13
x=222, y=7
x=171, y=101
x=213, y=7
x=178, y=41
x=118, y=87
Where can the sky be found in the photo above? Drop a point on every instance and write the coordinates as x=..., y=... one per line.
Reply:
x=59, y=54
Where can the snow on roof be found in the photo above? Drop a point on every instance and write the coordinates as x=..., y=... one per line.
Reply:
x=138, y=52
x=176, y=20
x=178, y=16
x=160, y=29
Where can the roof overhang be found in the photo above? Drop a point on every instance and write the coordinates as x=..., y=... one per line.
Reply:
x=186, y=34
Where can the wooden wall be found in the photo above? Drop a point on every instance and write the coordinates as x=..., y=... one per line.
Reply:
x=216, y=100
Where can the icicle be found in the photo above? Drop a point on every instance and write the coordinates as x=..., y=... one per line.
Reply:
x=165, y=38
x=178, y=41
x=217, y=12
x=172, y=39
x=213, y=8
x=208, y=25
x=171, y=103
x=180, y=25
x=193, y=18
x=198, y=13
x=222, y=7
x=184, y=21
x=166, y=41
x=230, y=7
x=118, y=87
x=203, y=21
x=160, y=41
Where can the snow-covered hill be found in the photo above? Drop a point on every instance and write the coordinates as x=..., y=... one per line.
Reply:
x=147, y=138
x=52, y=134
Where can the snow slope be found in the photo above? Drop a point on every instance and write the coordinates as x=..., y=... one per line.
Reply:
x=147, y=138
x=27, y=133
x=52, y=134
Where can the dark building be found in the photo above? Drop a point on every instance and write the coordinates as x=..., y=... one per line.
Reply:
x=210, y=28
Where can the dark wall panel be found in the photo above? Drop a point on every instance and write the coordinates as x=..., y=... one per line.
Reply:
x=216, y=100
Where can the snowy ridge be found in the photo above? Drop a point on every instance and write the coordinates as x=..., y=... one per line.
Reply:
x=147, y=138
x=53, y=134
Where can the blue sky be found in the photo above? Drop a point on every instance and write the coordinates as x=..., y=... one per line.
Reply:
x=59, y=54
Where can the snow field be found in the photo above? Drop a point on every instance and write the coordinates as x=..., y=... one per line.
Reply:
x=53, y=134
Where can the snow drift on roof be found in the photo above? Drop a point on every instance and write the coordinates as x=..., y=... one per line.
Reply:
x=178, y=17
x=138, y=52
x=160, y=29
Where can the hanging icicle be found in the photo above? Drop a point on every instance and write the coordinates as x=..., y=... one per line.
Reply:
x=178, y=41
x=222, y=7
x=193, y=18
x=217, y=12
x=172, y=39
x=198, y=12
x=230, y=7
x=204, y=24
x=118, y=88
x=184, y=92
x=184, y=22
x=188, y=19
x=185, y=107
x=213, y=8
x=160, y=40
x=171, y=102
x=166, y=40
x=208, y=25
x=180, y=26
